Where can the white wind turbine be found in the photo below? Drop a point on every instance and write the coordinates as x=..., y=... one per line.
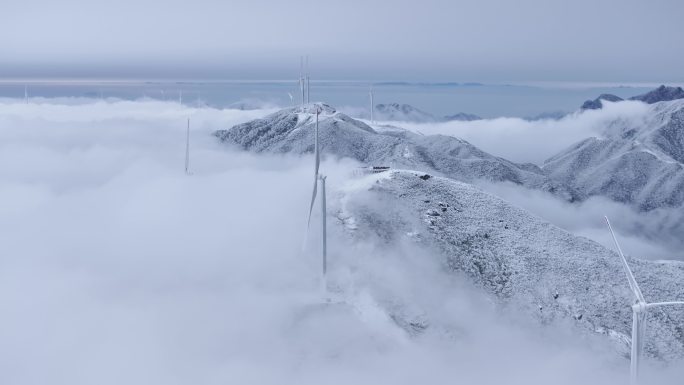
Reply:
x=319, y=178
x=308, y=84
x=26, y=94
x=301, y=78
x=370, y=92
x=639, y=311
x=187, y=150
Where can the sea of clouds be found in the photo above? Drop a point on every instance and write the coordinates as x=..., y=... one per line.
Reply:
x=117, y=268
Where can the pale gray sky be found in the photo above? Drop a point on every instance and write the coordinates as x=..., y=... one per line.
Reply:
x=426, y=40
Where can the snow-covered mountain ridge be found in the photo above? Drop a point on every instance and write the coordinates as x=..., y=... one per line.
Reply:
x=292, y=130
x=408, y=113
x=660, y=94
x=525, y=262
x=640, y=163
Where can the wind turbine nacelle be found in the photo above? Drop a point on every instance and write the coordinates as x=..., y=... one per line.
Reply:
x=639, y=307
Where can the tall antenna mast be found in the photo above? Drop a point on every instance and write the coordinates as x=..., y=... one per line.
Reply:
x=370, y=92
x=187, y=149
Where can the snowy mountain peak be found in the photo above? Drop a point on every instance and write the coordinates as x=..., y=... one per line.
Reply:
x=661, y=94
x=596, y=103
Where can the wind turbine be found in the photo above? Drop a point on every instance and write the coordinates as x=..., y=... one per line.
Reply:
x=639, y=311
x=180, y=97
x=319, y=178
x=26, y=94
x=308, y=87
x=187, y=150
x=301, y=78
x=291, y=98
x=370, y=92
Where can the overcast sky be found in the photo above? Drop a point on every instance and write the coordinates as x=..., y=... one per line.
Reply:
x=426, y=40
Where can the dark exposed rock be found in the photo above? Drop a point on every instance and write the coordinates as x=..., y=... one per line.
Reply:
x=660, y=94
x=596, y=103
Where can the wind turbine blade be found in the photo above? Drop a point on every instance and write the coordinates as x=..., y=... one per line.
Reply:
x=630, y=276
x=657, y=304
x=313, y=199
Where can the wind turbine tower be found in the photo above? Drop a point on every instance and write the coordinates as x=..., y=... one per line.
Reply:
x=639, y=312
x=26, y=94
x=370, y=92
x=187, y=149
x=308, y=82
x=301, y=79
x=324, y=228
x=318, y=178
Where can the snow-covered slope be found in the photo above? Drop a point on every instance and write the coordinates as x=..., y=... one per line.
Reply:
x=527, y=264
x=291, y=130
x=639, y=163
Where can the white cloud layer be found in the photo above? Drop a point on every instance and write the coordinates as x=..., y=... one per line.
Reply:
x=525, y=141
x=116, y=268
